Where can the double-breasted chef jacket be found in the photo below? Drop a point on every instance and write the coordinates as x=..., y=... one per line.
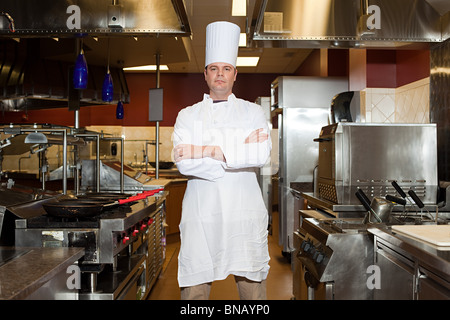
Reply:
x=224, y=221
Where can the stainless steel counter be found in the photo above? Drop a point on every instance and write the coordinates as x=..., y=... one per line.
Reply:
x=436, y=258
x=410, y=269
x=24, y=272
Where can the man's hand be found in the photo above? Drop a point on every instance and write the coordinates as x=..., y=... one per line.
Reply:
x=187, y=151
x=190, y=151
x=257, y=136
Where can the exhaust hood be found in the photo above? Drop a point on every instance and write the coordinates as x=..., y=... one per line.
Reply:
x=38, y=50
x=349, y=23
x=94, y=17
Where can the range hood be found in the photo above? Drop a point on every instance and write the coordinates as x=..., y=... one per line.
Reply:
x=38, y=50
x=94, y=17
x=343, y=23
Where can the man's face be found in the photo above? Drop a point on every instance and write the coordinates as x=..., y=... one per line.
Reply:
x=220, y=78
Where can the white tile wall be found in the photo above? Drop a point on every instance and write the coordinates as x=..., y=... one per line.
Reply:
x=406, y=104
x=136, y=139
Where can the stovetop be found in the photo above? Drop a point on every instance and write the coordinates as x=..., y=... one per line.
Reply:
x=326, y=226
x=118, y=212
x=344, y=225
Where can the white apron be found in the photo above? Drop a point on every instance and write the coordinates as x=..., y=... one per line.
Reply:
x=224, y=220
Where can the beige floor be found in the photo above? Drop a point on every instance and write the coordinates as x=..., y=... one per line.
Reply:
x=279, y=280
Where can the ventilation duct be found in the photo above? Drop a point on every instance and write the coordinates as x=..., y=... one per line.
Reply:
x=348, y=23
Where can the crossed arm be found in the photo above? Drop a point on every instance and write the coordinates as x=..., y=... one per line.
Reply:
x=189, y=151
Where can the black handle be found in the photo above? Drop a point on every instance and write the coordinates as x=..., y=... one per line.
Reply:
x=322, y=139
x=363, y=198
x=399, y=190
x=396, y=199
x=364, y=195
x=416, y=199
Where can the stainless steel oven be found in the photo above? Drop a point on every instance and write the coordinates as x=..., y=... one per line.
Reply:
x=331, y=258
x=124, y=245
x=369, y=156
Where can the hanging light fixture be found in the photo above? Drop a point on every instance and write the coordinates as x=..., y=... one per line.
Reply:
x=108, y=88
x=119, y=110
x=80, y=72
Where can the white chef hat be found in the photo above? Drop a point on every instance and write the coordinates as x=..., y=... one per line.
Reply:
x=222, y=42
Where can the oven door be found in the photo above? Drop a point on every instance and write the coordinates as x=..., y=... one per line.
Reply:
x=135, y=288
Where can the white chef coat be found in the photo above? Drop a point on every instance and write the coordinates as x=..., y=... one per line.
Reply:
x=224, y=220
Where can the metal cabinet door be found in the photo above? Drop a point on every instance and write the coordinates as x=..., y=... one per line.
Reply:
x=431, y=287
x=397, y=277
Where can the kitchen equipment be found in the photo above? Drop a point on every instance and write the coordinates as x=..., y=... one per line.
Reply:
x=382, y=208
x=370, y=211
x=162, y=164
x=396, y=199
x=369, y=156
x=416, y=198
x=331, y=258
x=104, y=195
x=437, y=235
x=407, y=216
x=345, y=106
x=73, y=208
x=110, y=177
x=124, y=245
x=300, y=108
x=409, y=268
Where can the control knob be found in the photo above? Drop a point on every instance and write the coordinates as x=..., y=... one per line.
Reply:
x=307, y=246
x=320, y=257
x=125, y=238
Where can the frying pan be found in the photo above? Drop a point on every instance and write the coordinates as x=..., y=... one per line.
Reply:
x=84, y=208
x=72, y=209
x=104, y=196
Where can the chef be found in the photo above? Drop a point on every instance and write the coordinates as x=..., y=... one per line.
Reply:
x=218, y=144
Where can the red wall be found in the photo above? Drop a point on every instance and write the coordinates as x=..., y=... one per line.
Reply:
x=179, y=91
x=395, y=68
x=381, y=69
x=336, y=65
x=412, y=65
